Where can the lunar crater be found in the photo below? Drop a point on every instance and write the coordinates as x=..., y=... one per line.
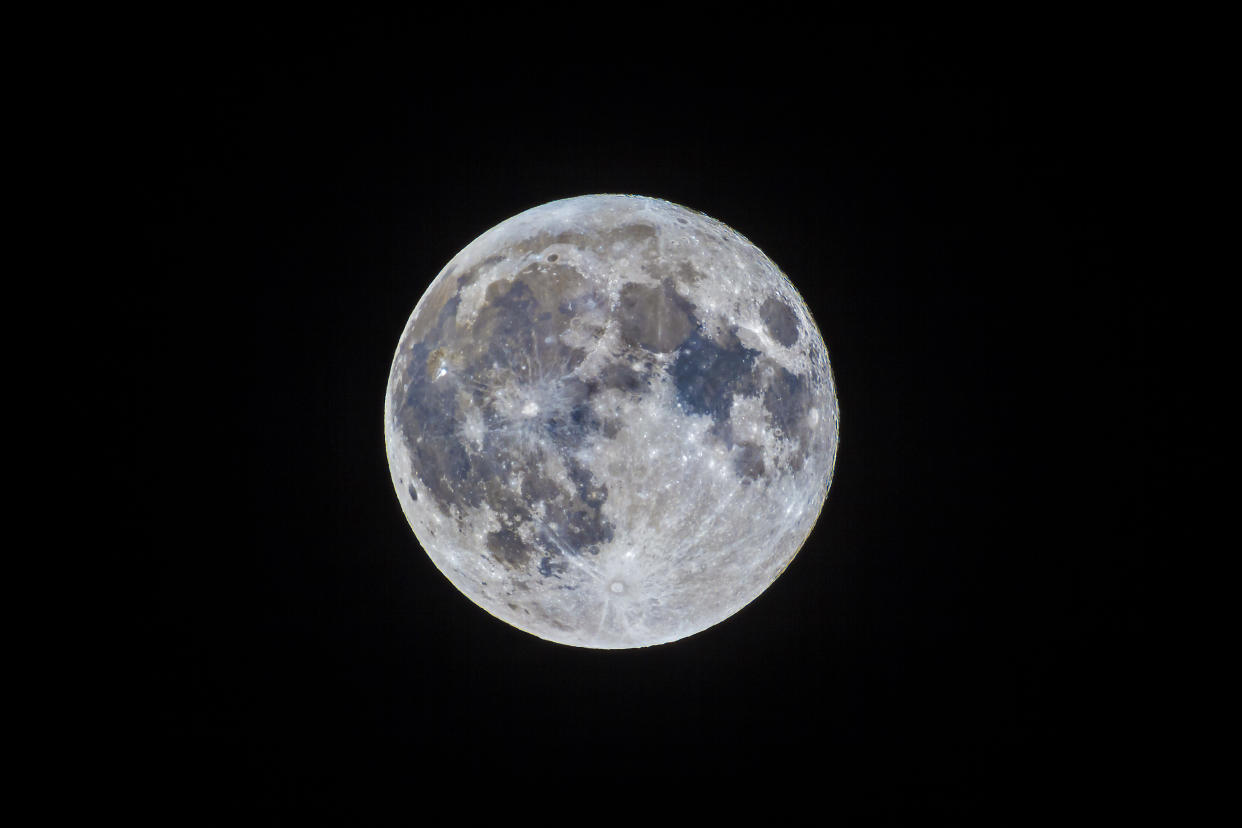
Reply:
x=631, y=434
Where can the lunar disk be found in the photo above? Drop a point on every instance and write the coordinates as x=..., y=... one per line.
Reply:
x=611, y=421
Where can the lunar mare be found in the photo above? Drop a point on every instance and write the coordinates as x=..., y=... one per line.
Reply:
x=611, y=421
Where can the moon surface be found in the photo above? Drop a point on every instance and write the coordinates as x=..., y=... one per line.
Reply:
x=611, y=421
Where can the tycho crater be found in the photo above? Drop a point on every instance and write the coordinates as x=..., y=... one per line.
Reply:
x=611, y=421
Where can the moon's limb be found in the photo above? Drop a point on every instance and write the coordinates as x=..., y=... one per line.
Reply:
x=611, y=421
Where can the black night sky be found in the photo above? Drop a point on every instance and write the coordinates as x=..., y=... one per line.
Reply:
x=957, y=632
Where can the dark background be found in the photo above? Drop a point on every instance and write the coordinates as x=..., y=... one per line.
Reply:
x=960, y=628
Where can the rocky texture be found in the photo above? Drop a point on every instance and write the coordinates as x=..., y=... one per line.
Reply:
x=611, y=421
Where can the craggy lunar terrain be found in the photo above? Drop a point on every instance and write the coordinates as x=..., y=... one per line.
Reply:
x=611, y=421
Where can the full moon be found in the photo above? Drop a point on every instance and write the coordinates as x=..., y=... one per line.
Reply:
x=611, y=421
